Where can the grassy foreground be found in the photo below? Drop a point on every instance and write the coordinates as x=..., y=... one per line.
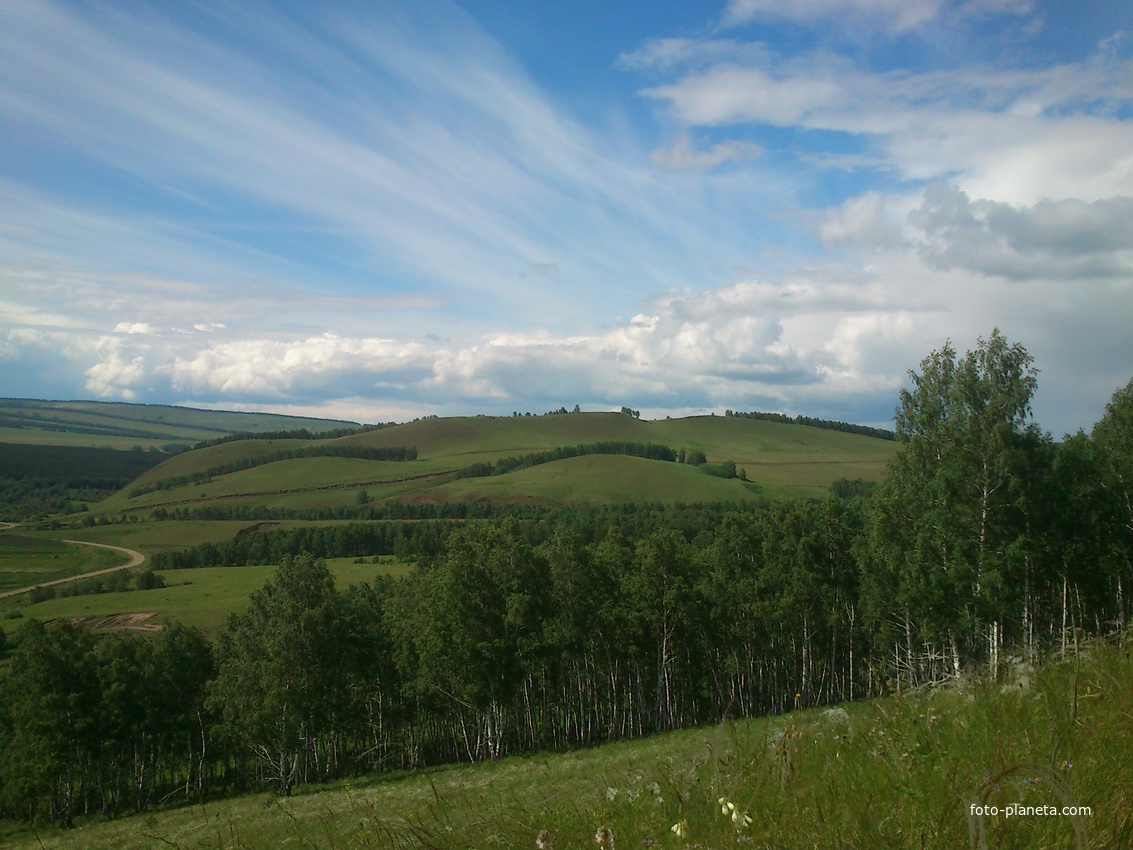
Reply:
x=904, y=771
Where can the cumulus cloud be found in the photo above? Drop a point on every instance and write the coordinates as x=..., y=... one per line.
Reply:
x=121, y=369
x=306, y=368
x=864, y=221
x=1067, y=239
x=743, y=341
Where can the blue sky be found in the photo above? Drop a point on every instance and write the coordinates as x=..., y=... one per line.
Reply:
x=378, y=211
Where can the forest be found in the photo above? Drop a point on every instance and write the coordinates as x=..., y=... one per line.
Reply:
x=987, y=543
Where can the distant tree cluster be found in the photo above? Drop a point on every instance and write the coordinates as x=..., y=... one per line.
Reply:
x=104, y=724
x=119, y=581
x=399, y=453
x=76, y=466
x=650, y=451
x=848, y=427
x=295, y=434
x=37, y=481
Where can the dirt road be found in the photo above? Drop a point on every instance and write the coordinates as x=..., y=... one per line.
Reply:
x=136, y=558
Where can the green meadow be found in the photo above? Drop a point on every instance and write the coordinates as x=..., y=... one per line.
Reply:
x=968, y=765
x=778, y=460
x=201, y=598
x=27, y=560
x=121, y=425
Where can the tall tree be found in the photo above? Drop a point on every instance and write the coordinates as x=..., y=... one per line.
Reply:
x=949, y=524
x=1113, y=439
x=49, y=732
x=280, y=686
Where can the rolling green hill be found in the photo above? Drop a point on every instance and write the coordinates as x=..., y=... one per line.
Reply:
x=120, y=425
x=215, y=493
x=778, y=460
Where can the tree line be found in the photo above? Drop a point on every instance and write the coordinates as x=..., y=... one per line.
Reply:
x=829, y=425
x=394, y=453
x=987, y=538
x=294, y=434
x=650, y=451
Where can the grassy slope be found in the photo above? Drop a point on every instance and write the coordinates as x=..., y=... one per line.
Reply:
x=780, y=459
x=28, y=560
x=201, y=598
x=599, y=479
x=897, y=772
x=122, y=426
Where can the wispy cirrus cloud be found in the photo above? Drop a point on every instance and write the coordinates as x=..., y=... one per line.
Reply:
x=379, y=209
x=1014, y=134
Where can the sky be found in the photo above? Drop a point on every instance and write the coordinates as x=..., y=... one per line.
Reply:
x=379, y=210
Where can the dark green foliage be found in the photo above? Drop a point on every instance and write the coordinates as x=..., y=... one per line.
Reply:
x=334, y=450
x=100, y=724
x=727, y=469
x=149, y=580
x=76, y=466
x=282, y=685
x=36, y=481
x=295, y=434
x=845, y=488
x=650, y=451
x=829, y=425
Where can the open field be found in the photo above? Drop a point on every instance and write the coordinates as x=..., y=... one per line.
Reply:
x=904, y=771
x=601, y=479
x=201, y=598
x=779, y=460
x=26, y=560
x=123, y=426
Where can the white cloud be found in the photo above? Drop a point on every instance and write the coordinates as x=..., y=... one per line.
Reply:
x=134, y=328
x=1053, y=240
x=864, y=221
x=1014, y=135
x=894, y=15
x=316, y=367
x=682, y=155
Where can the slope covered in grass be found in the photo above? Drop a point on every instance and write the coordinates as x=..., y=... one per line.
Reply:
x=122, y=425
x=904, y=771
x=602, y=479
x=201, y=598
x=779, y=459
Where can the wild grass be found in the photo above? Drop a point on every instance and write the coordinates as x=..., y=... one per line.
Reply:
x=903, y=771
x=779, y=459
x=122, y=425
x=601, y=479
x=201, y=598
x=28, y=560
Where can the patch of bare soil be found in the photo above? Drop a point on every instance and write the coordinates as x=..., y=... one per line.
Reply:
x=138, y=622
x=259, y=526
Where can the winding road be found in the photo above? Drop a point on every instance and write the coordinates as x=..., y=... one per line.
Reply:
x=136, y=558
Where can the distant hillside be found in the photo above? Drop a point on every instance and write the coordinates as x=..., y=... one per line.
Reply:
x=58, y=456
x=505, y=460
x=120, y=425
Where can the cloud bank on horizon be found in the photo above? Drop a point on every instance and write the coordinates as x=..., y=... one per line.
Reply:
x=381, y=211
